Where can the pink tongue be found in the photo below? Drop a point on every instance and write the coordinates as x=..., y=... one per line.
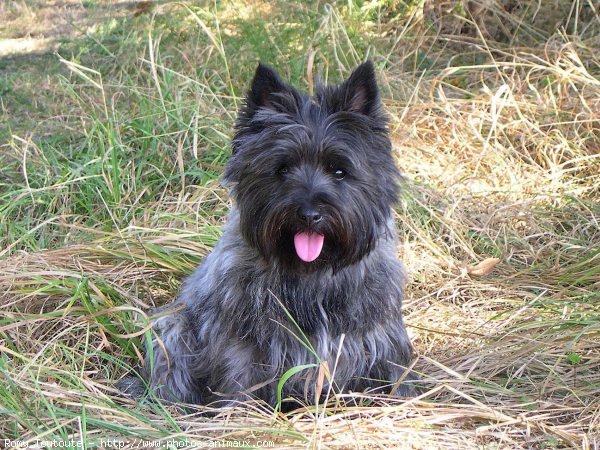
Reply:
x=308, y=245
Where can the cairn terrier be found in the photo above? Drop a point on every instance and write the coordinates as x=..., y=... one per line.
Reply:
x=306, y=270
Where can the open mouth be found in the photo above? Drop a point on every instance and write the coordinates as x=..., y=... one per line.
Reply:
x=308, y=245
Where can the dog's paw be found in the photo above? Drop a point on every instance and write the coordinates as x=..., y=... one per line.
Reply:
x=132, y=387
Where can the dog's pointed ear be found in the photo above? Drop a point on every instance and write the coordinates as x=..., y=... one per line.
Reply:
x=265, y=85
x=359, y=93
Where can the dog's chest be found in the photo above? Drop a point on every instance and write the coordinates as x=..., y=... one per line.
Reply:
x=316, y=305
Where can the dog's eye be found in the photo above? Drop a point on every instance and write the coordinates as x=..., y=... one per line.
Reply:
x=283, y=170
x=338, y=174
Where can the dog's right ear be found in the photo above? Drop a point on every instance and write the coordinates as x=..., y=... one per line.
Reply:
x=266, y=84
x=267, y=92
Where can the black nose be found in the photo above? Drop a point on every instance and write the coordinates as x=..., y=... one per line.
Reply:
x=309, y=216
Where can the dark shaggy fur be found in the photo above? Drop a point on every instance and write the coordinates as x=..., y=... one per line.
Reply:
x=300, y=164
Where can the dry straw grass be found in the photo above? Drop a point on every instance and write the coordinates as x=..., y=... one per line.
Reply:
x=498, y=142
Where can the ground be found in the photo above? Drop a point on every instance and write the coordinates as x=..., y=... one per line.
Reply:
x=115, y=120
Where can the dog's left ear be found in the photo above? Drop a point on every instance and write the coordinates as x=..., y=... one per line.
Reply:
x=359, y=93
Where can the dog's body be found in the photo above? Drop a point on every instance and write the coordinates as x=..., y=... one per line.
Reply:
x=306, y=269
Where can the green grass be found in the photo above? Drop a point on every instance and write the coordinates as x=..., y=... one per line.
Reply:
x=111, y=148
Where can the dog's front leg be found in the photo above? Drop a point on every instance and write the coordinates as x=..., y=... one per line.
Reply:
x=170, y=362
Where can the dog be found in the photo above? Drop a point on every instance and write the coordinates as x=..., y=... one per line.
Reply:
x=306, y=271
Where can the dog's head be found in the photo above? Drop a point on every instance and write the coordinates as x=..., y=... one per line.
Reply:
x=312, y=177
